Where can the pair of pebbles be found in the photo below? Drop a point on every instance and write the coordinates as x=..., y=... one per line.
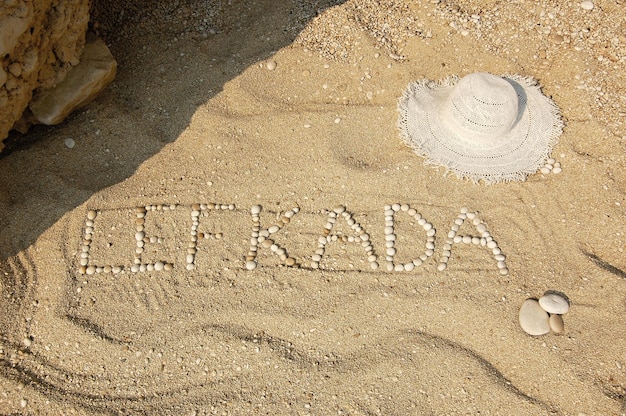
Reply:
x=539, y=317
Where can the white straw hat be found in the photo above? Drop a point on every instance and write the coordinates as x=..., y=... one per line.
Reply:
x=482, y=127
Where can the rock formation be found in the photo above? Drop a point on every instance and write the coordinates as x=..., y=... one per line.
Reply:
x=41, y=41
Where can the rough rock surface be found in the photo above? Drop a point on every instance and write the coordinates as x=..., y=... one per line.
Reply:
x=40, y=41
x=81, y=85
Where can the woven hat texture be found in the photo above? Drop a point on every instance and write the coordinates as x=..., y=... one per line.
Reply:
x=481, y=127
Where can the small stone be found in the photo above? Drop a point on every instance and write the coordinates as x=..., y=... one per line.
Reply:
x=533, y=319
x=554, y=303
x=271, y=65
x=70, y=143
x=557, y=170
x=91, y=214
x=251, y=265
x=556, y=324
x=586, y=5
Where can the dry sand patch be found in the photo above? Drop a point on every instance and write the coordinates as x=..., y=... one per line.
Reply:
x=342, y=338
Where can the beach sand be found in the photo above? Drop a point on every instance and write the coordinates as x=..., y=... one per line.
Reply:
x=198, y=127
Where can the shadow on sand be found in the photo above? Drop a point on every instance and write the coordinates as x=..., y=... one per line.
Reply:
x=43, y=179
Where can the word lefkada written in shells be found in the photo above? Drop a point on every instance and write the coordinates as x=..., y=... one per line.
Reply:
x=539, y=317
x=152, y=240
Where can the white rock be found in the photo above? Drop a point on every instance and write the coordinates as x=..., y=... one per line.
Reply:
x=586, y=5
x=533, y=319
x=554, y=303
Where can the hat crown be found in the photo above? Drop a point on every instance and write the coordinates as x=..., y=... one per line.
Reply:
x=481, y=108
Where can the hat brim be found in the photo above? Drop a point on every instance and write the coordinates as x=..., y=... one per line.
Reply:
x=512, y=157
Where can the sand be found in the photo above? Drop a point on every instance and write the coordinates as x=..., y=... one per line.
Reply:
x=196, y=117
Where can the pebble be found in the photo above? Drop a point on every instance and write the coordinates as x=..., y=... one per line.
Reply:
x=70, y=143
x=251, y=265
x=271, y=65
x=533, y=319
x=586, y=5
x=556, y=324
x=554, y=303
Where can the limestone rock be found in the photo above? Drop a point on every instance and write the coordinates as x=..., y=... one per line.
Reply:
x=40, y=41
x=79, y=87
x=11, y=28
